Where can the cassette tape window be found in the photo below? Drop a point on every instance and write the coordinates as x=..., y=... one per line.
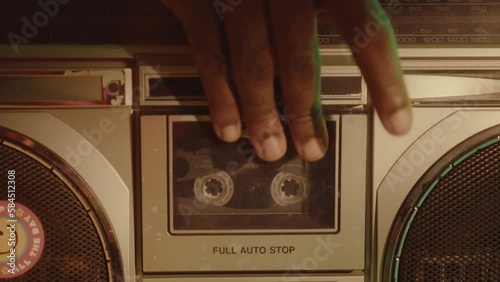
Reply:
x=225, y=187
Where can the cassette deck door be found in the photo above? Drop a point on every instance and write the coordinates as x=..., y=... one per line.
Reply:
x=240, y=248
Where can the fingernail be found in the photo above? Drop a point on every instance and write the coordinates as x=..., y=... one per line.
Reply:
x=230, y=133
x=270, y=149
x=313, y=150
x=400, y=121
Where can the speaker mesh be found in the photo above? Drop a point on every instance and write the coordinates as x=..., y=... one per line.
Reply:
x=454, y=235
x=73, y=248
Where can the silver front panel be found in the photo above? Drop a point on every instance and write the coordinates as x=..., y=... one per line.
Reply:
x=453, y=100
x=96, y=144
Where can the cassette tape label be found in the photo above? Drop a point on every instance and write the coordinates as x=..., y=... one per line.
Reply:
x=223, y=187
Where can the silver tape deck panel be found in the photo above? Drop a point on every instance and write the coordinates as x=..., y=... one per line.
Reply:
x=249, y=250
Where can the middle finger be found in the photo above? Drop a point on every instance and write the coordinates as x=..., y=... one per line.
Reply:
x=297, y=50
x=253, y=71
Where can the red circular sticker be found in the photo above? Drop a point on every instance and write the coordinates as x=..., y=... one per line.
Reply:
x=21, y=239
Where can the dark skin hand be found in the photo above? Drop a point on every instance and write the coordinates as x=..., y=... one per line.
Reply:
x=250, y=66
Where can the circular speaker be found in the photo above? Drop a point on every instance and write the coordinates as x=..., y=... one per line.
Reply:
x=52, y=229
x=448, y=228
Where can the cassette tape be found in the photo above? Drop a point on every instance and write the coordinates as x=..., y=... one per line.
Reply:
x=225, y=188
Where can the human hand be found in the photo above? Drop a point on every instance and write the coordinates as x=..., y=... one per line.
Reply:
x=249, y=63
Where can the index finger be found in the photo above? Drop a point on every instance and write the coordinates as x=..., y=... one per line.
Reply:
x=204, y=35
x=368, y=31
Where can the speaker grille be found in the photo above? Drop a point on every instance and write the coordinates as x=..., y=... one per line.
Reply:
x=73, y=249
x=453, y=232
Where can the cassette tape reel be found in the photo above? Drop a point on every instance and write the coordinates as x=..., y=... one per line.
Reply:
x=216, y=187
